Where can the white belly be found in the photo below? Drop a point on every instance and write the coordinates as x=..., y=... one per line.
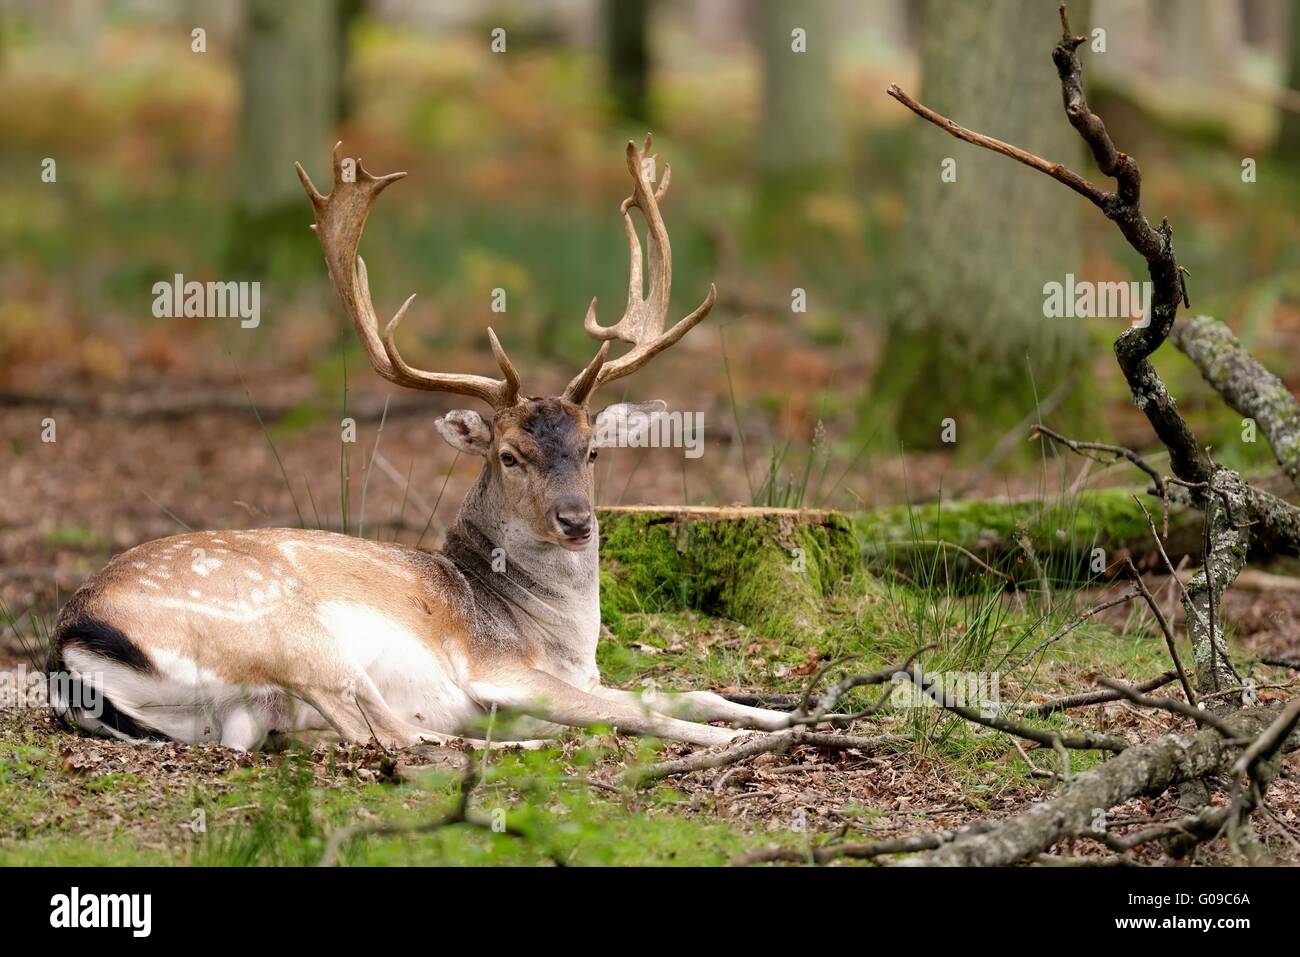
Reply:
x=417, y=683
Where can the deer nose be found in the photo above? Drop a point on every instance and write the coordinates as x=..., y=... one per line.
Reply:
x=573, y=518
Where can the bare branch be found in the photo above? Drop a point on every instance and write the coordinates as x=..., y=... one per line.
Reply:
x=1144, y=768
x=1277, y=523
x=1081, y=741
x=1057, y=171
x=1136, y=343
x=1173, y=705
x=752, y=745
x=1246, y=385
x=1116, y=452
x=1168, y=632
x=804, y=716
x=1083, y=699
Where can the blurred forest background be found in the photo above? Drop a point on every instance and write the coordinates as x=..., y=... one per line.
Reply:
x=793, y=171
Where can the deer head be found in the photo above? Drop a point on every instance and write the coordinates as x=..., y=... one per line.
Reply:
x=539, y=451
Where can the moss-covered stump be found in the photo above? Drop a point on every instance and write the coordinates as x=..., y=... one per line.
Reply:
x=769, y=568
x=1063, y=533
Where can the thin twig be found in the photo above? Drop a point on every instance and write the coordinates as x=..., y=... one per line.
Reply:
x=1095, y=697
x=1116, y=452
x=1076, y=622
x=1081, y=741
x=803, y=716
x=1136, y=577
x=1057, y=171
x=459, y=814
x=1173, y=705
x=752, y=745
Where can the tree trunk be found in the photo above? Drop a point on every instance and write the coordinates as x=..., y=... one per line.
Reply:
x=800, y=140
x=288, y=63
x=975, y=253
x=347, y=13
x=1289, y=139
x=627, y=57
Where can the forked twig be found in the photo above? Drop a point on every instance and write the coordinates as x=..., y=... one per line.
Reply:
x=1116, y=452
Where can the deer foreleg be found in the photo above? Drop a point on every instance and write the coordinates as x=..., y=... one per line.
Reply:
x=698, y=706
x=547, y=697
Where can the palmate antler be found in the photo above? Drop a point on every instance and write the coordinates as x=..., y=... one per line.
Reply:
x=642, y=323
x=340, y=220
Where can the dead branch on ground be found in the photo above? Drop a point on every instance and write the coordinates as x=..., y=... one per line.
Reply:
x=756, y=744
x=1086, y=698
x=1245, y=385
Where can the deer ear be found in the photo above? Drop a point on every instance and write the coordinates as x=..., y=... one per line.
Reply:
x=466, y=431
x=614, y=421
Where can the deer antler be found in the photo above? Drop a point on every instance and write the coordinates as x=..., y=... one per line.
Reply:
x=340, y=219
x=642, y=324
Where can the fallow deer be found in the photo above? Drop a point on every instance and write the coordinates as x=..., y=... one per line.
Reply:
x=229, y=636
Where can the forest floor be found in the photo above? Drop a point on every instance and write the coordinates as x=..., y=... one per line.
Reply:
x=68, y=798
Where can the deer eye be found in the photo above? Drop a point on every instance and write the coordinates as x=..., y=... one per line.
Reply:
x=508, y=460
x=591, y=456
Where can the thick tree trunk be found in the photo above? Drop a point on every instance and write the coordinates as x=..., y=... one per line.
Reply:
x=1289, y=138
x=627, y=57
x=800, y=141
x=288, y=63
x=976, y=252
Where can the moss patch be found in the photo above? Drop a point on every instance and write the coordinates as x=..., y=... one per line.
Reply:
x=769, y=568
x=1063, y=533
x=773, y=569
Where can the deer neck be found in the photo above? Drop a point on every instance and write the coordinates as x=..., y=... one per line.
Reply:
x=539, y=594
